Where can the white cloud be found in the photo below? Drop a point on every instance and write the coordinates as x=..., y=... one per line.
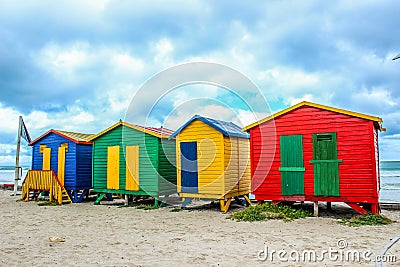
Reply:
x=188, y=93
x=64, y=62
x=246, y=117
x=217, y=111
x=126, y=64
x=8, y=119
x=389, y=147
x=375, y=95
x=163, y=52
x=40, y=119
x=96, y=58
x=7, y=148
x=294, y=101
x=289, y=79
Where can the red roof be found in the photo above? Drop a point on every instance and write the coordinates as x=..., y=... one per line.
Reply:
x=159, y=131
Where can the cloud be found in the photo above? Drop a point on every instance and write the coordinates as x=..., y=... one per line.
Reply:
x=389, y=147
x=77, y=64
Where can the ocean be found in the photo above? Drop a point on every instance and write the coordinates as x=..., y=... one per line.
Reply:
x=390, y=179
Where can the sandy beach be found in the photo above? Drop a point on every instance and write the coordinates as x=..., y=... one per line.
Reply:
x=110, y=235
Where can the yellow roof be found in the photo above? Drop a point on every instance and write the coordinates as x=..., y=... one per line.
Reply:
x=81, y=137
x=310, y=104
x=157, y=132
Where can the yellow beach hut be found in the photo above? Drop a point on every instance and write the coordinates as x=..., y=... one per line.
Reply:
x=213, y=161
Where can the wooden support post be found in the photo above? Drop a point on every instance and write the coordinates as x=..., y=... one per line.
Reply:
x=99, y=198
x=357, y=208
x=126, y=200
x=225, y=206
x=247, y=199
x=155, y=201
x=329, y=206
x=164, y=201
x=16, y=178
x=375, y=209
x=316, y=208
x=186, y=201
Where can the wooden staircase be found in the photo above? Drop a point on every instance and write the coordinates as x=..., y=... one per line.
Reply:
x=37, y=181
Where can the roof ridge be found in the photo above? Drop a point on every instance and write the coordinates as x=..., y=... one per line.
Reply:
x=315, y=105
x=224, y=127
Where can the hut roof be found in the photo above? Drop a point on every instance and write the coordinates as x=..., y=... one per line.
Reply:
x=157, y=132
x=226, y=128
x=78, y=138
x=310, y=104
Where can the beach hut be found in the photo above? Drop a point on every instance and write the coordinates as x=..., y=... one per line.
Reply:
x=69, y=156
x=134, y=160
x=322, y=153
x=212, y=161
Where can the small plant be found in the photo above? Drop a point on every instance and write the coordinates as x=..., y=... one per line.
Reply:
x=368, y=219
x=49, y=203
x=176, y=210
x=268, y=211
x=147, y=207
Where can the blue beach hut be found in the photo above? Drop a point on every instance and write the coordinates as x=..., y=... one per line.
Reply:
x=69, y=156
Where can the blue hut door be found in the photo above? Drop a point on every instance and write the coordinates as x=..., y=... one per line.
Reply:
x=189, y=171
x=61, y=164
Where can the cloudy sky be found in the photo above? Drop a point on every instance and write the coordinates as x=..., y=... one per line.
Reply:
x=77, y=65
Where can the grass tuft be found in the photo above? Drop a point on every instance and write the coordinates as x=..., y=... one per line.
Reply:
x=176, y=210
x=147, y=207
x=268, y=211
x=368, y=219
x=48, y=203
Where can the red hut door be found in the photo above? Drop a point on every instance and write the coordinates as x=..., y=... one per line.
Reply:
x=292, y=165
x=326, y=165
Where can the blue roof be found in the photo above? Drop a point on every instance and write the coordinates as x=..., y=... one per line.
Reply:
x=226, y=128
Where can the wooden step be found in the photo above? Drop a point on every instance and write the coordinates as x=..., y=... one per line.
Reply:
x=65, y=197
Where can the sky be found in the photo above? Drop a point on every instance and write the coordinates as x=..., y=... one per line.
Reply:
x=77, y=65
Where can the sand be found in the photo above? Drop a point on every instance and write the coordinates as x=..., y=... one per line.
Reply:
x=109, y=235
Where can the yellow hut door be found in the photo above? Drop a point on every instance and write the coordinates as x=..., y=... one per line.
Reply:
x=113, y=167
x=46, y=159
x=61, y=164
x=132, y=168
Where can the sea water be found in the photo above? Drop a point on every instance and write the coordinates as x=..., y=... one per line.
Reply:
x=389, y=170
x=7, y=174
x=390, y=181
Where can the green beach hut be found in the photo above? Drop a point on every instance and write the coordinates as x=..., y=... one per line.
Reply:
x=134, y=160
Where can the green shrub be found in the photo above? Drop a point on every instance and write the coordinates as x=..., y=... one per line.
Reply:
x=48, y=203
x=147, y=207
x=176, y=210
x=368, y=219
x=269, y=211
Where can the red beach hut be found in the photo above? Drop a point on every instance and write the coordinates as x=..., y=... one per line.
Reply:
x=312, y=152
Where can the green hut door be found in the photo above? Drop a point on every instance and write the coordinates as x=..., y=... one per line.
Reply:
x=292, y=165
x=326, y=165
